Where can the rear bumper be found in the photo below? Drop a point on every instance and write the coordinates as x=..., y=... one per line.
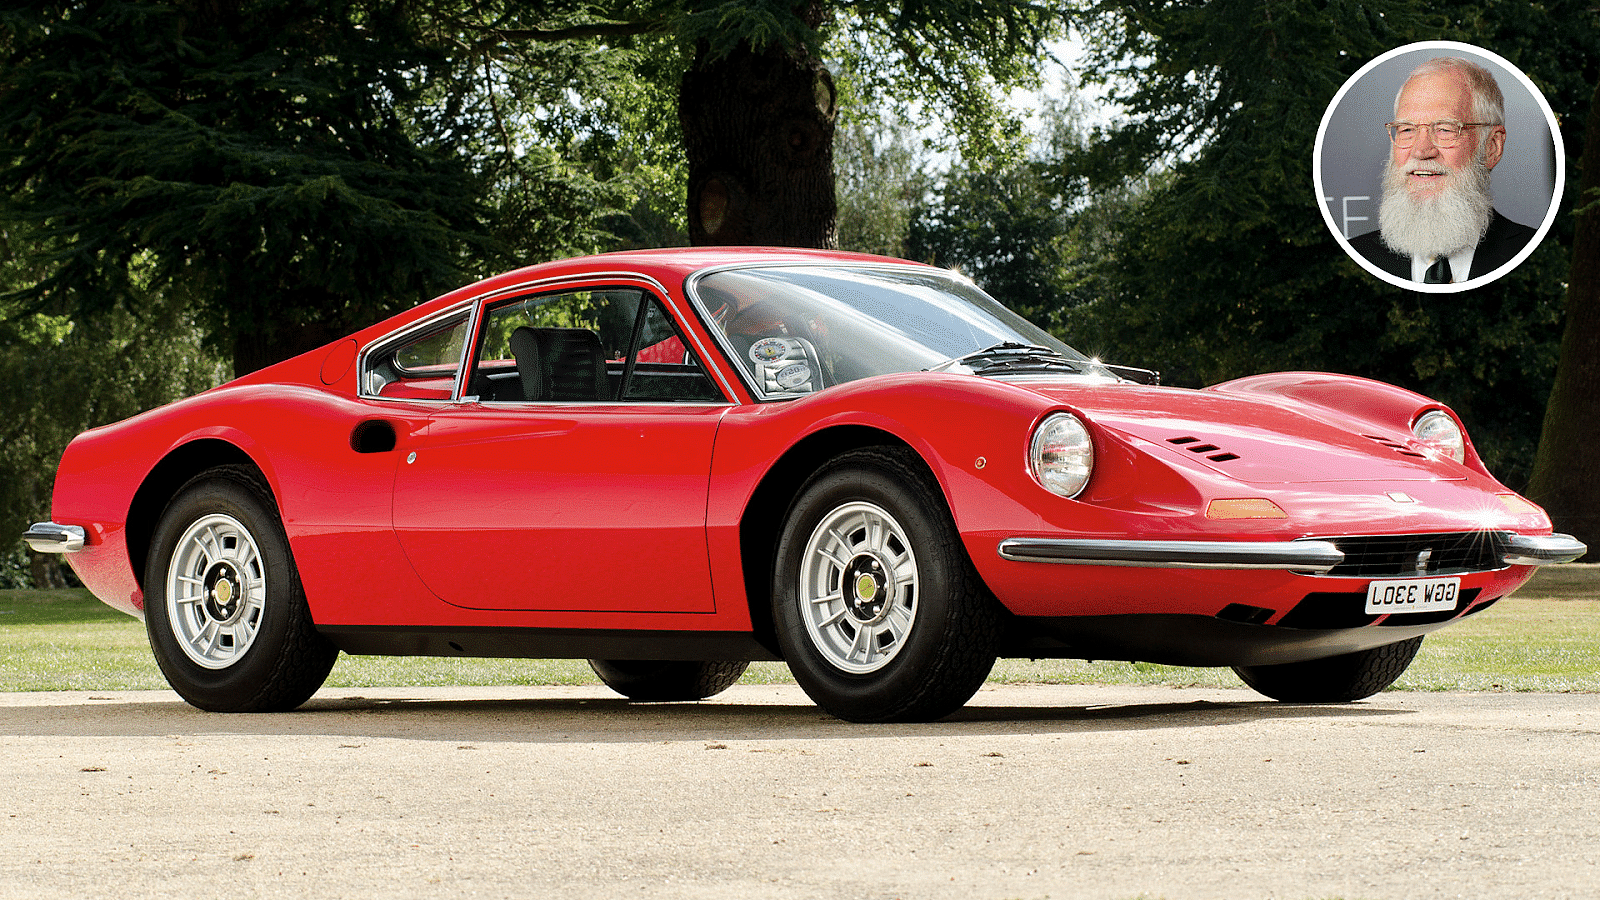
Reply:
x=48, y=537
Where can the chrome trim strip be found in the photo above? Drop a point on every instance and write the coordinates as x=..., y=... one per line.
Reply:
x=1299, y=556
x=381, y=344
x=1542, y=549
x=48, y=537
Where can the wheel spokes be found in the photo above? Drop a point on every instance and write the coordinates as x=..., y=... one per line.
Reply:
x=859, y=582
x=216, y=591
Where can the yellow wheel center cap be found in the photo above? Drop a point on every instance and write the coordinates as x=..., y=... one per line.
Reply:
x=866, y=587
x=223, y=591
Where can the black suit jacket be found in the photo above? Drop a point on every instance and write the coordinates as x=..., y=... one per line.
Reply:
x=1503, y=240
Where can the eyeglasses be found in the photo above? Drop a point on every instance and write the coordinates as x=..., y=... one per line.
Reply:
x=1445, y=134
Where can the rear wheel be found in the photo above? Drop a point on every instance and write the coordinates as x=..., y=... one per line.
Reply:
x=667, y=680
x=226, y=615
x=881, y=616
x=1337, y=679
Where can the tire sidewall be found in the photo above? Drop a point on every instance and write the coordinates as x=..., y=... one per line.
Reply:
x=868, y=695
x=237, y=686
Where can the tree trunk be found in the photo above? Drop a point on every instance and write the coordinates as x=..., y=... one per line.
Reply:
x=758, y=134
x=1566, y=471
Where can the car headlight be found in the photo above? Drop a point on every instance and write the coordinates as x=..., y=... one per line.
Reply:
x=1061, y=457
x=1438, y=429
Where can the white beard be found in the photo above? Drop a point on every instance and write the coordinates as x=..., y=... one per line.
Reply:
x=1439, y=225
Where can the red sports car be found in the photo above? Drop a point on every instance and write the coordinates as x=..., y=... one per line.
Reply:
x=673, y=462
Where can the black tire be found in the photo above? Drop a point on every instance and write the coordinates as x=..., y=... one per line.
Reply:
x=225, y=611
x=1337, y=679
x=911, y=631
x=668, y=680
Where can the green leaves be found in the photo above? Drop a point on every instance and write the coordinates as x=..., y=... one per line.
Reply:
x=1224, y=266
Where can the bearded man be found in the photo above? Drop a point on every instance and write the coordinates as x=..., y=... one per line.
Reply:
x=1436, y=218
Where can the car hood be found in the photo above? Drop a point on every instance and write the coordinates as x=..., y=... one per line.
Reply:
x=1254, y=439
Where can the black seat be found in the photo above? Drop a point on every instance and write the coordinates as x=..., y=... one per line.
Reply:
x=560, y=363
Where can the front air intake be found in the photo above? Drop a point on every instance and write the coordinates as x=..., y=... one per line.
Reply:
x=1393, y=555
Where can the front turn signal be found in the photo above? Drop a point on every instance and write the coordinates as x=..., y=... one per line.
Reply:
x=1244, y=508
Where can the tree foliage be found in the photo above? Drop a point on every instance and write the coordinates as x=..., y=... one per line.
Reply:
x=63, y=375
x=1224, y=267
x=882, y=175
x=1566, y=475
x=293, y=170
x=1000, y=227
x=1021, y=228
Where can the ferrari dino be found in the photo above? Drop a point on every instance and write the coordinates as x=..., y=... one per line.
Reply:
x=674, y=462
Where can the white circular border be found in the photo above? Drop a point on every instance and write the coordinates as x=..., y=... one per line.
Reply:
x=1555, y=196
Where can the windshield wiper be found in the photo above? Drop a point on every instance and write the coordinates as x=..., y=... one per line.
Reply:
x=1010, y=356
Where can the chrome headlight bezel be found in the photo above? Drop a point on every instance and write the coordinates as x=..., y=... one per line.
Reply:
x=1440, y=431
x=1061, y=454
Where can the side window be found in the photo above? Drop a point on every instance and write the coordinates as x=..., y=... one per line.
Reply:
x=421, y=365
x=585, y=346
x=664, y=367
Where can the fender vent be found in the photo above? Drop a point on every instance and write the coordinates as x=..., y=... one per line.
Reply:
x=1210, y=451
x=1399, y=448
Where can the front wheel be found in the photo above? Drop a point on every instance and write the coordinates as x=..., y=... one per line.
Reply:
x=880, y=613
x=667, y=680
x=1336, y=679
x=226, y=615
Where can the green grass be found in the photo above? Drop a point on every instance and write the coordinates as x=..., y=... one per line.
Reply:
x=1545, y=638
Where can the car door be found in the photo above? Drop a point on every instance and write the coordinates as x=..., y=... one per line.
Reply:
x=574, y=475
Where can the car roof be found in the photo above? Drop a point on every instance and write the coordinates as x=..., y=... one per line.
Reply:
x=671, y=265
x=668, y=267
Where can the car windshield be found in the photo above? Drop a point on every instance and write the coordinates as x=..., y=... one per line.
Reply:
x=798, y=329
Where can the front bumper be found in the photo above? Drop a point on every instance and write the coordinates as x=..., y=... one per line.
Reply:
x=48, y=537
x=1308, y=555
x=1296, y=556
x=1542, y=549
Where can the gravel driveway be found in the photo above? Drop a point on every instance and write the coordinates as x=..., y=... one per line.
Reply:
x=1031, y=791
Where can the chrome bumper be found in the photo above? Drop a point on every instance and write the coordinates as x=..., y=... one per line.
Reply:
x=1297, y=556
x=1308, y=555
x=1542, y=549
x=48, y=537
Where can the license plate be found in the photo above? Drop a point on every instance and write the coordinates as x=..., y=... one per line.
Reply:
x=1412, y=596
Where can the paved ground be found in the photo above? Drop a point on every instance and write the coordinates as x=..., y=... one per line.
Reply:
x=1032, y=791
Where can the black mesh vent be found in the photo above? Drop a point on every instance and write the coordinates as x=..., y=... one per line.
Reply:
x=1392, y=555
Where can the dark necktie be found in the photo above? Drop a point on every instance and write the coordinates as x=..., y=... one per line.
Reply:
x=1438, y=273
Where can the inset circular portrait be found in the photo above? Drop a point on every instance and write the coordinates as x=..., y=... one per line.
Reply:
x=1439, y=167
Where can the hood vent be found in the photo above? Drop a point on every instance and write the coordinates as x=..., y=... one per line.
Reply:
x=1210, y=451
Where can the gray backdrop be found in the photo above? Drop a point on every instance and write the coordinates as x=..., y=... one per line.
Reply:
x=1353, y=146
